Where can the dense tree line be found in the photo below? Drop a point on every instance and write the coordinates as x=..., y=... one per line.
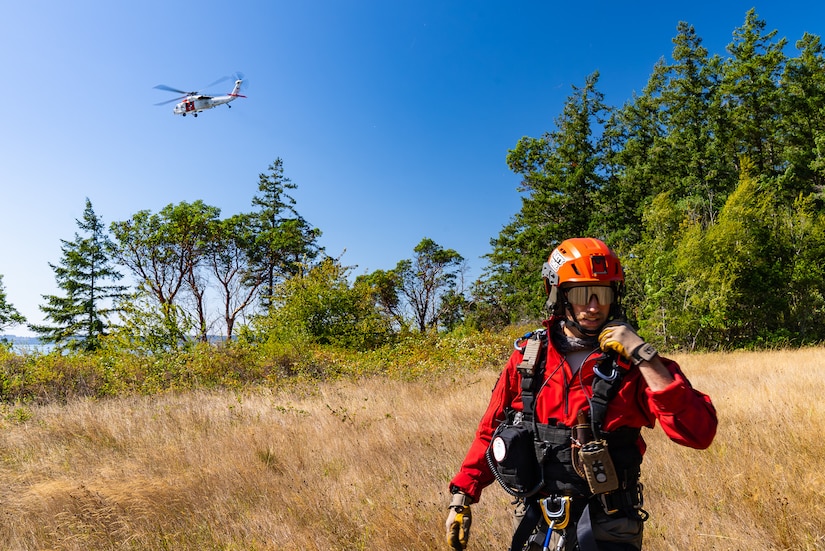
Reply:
x=708, y=183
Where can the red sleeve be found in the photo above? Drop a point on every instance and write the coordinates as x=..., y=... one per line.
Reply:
x=475, y=474
x=686, y=415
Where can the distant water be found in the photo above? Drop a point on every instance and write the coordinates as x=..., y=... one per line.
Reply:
x=27, y=344
x=23, y=348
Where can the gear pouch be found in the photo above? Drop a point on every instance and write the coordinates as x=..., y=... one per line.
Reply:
x=512, y=457
x=598, y=467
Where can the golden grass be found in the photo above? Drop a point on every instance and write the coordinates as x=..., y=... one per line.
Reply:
x=365, y=465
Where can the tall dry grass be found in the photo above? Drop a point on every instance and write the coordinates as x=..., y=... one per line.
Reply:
x=365, y=465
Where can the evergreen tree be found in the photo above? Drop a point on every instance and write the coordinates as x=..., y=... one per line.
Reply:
x=803, y=233
x=634, y=164
x=803, y=119
x=8, y=313
x=745, y=268
x=284, y=240
x=750, y=84
x=561, y=173
x=85, y=274
x=700, y=169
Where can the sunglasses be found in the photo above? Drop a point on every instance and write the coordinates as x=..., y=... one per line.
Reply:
x=580, y=296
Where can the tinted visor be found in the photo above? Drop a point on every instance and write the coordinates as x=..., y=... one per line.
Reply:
x=580, y=296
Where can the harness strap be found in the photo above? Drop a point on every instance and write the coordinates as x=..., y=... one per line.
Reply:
x=531, y=518
x=532, y=371
x=606, y=383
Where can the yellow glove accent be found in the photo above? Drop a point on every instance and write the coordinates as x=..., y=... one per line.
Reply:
x=458, y=522
x=619, y=337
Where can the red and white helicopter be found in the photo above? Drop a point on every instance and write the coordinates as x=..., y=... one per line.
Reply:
x=195, y=102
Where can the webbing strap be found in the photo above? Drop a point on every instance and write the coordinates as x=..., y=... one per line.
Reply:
x=531, y=518
x=604, y=390
x=530, y=378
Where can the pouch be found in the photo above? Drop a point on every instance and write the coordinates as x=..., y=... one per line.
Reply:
x=598, y=467
x=513, y=455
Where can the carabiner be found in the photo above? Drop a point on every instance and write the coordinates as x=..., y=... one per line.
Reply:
x=614, y=372
x=525, y=337
x=556, y=511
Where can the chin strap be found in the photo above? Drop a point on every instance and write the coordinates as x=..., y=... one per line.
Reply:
x=571, y=319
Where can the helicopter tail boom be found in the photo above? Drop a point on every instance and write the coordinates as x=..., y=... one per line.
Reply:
x=234, y=93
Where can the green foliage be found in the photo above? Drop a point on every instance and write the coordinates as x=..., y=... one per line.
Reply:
x=709, y=185
x=165, y=253
x=113, y=371
x=185, y=259
x=384, y=287
x=149, y=328
x=8, y=313
x=431, y=285
x=283, y=240
x=85, y=274
x=320, y=306
x=561, y=174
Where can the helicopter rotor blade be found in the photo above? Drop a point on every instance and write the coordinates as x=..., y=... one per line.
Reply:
x=170, y=101
x=244, y=83
x=222, y=79
x=234, y=76
x=170, y=89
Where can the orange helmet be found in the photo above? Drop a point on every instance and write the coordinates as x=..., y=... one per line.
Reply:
x=581, y=260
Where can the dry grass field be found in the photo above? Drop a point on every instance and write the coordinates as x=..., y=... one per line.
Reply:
x=365, y=465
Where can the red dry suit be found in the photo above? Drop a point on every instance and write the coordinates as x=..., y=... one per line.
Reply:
x=686, y=415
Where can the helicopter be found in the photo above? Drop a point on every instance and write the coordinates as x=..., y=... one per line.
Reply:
x=195, y=102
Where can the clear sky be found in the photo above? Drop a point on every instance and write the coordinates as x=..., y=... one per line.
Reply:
x=393, y=117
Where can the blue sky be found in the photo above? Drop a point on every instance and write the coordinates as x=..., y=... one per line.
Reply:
x=393, y=117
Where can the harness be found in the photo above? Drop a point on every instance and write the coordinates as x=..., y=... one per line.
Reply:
x=533, y=460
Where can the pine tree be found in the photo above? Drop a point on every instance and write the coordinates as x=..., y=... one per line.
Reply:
x=561, y=174
x=80, y=317
x=8, y=313
x=284, y=240
x=803, y=119
x=751, y=88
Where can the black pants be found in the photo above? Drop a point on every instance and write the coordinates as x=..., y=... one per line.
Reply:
x=612, y=533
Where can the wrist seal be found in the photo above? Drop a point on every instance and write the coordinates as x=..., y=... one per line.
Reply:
x=643, y=352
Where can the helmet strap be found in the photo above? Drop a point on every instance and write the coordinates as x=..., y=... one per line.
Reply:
x=571, y=319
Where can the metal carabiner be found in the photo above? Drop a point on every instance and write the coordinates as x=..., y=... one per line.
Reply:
x=525, y=337
x=614, y=371
x=556, y=511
